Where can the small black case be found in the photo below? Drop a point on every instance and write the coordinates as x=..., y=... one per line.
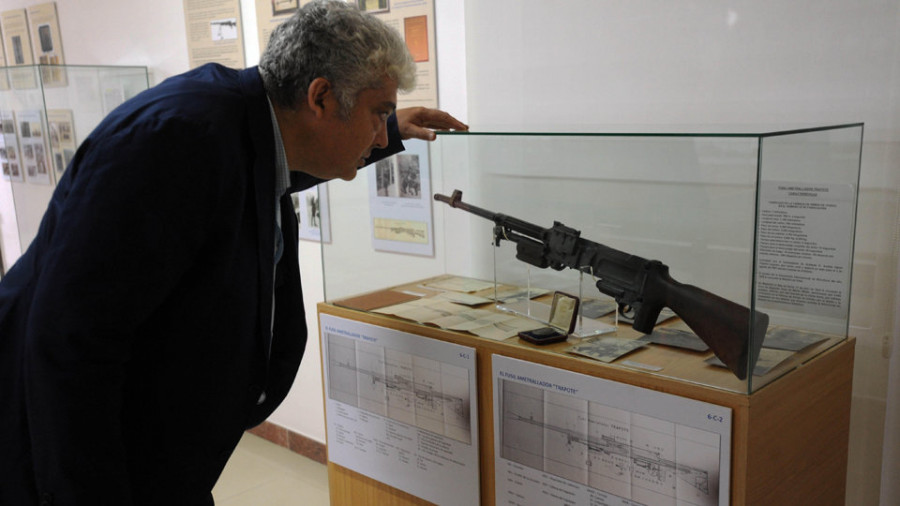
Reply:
x=563, y=315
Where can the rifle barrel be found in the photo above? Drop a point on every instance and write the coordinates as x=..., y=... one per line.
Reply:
x=455, y=200
x=508, y=222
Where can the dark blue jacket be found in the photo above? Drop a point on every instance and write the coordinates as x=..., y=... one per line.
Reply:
x=134, y=329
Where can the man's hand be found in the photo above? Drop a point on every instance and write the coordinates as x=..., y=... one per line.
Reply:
x=420, y=123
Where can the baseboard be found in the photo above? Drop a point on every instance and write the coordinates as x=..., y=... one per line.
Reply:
x=289, y=439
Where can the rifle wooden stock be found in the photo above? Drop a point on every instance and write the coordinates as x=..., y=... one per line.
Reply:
x=732, y=332
x=726, y=327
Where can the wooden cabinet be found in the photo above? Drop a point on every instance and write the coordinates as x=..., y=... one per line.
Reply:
x=789, y=437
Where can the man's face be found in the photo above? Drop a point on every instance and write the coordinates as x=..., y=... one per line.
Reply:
x=342, y=143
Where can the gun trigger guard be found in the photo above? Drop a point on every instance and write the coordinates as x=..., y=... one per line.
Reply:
x=627, y=310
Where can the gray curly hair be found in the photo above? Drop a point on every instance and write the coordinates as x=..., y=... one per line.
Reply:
x=335, y=40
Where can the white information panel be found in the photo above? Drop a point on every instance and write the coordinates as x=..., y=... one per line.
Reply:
x=805, y=256
x=401, y=409
x=563, y=438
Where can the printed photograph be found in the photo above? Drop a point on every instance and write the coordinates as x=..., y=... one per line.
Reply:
x=46, y=38
x=373, y=5
x=385, y=179
x=282, y=7
x=223, y=29
x=410, y=181
x=18, y=53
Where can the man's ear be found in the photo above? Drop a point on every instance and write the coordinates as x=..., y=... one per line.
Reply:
x=317, y=93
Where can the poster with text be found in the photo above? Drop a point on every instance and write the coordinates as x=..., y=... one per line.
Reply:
x=31, y=147
x=563, y=438
x=400, y=202
x=402, y=409
x=61, y=132
x=47, y=43
x=214, y=32
x=271, y=13
x=17, y=45
x=9, y=149
x=4, y=75
x=804, y=251
x=414, y=21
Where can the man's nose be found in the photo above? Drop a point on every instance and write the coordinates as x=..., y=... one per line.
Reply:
x=381, y=136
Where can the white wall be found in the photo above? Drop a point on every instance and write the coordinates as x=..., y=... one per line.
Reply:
x=586, y=63
x=595, y=63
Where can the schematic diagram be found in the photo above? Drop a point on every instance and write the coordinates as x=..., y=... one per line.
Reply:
x=610, y=448
x=415, y=390
x=401, y=409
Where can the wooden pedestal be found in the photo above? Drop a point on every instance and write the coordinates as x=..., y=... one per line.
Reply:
x=789, y=437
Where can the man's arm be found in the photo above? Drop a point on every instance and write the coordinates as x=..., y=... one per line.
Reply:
x=421, y=122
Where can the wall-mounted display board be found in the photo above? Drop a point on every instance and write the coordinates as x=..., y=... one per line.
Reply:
x=214, y=32
x=415, y=23
x=17, y=46
x=47, y=43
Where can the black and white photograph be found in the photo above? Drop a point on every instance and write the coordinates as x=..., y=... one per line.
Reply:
x=223, y=29
x=408, y=172
x=46, y=38
x=385, y=177
x=311, y=208
x=18, y=53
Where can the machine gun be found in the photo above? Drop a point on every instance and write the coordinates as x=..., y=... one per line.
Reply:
x=640, y=287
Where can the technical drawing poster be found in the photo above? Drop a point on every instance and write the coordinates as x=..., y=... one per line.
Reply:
x=402, y=409
x=564, y=438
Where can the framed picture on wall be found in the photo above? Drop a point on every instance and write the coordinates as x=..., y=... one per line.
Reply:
x=373, y=5
x=282, y=7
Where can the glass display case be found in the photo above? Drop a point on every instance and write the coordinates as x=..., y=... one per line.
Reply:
x=758, y=223
x=46, y=111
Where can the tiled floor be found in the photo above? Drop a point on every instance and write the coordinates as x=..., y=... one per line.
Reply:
x=263, y=473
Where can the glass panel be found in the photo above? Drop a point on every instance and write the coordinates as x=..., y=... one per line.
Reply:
x=46, y=112
x=694, y=201
x=809, y=185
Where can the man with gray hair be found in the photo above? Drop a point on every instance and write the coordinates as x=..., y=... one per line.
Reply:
x=158, y=313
